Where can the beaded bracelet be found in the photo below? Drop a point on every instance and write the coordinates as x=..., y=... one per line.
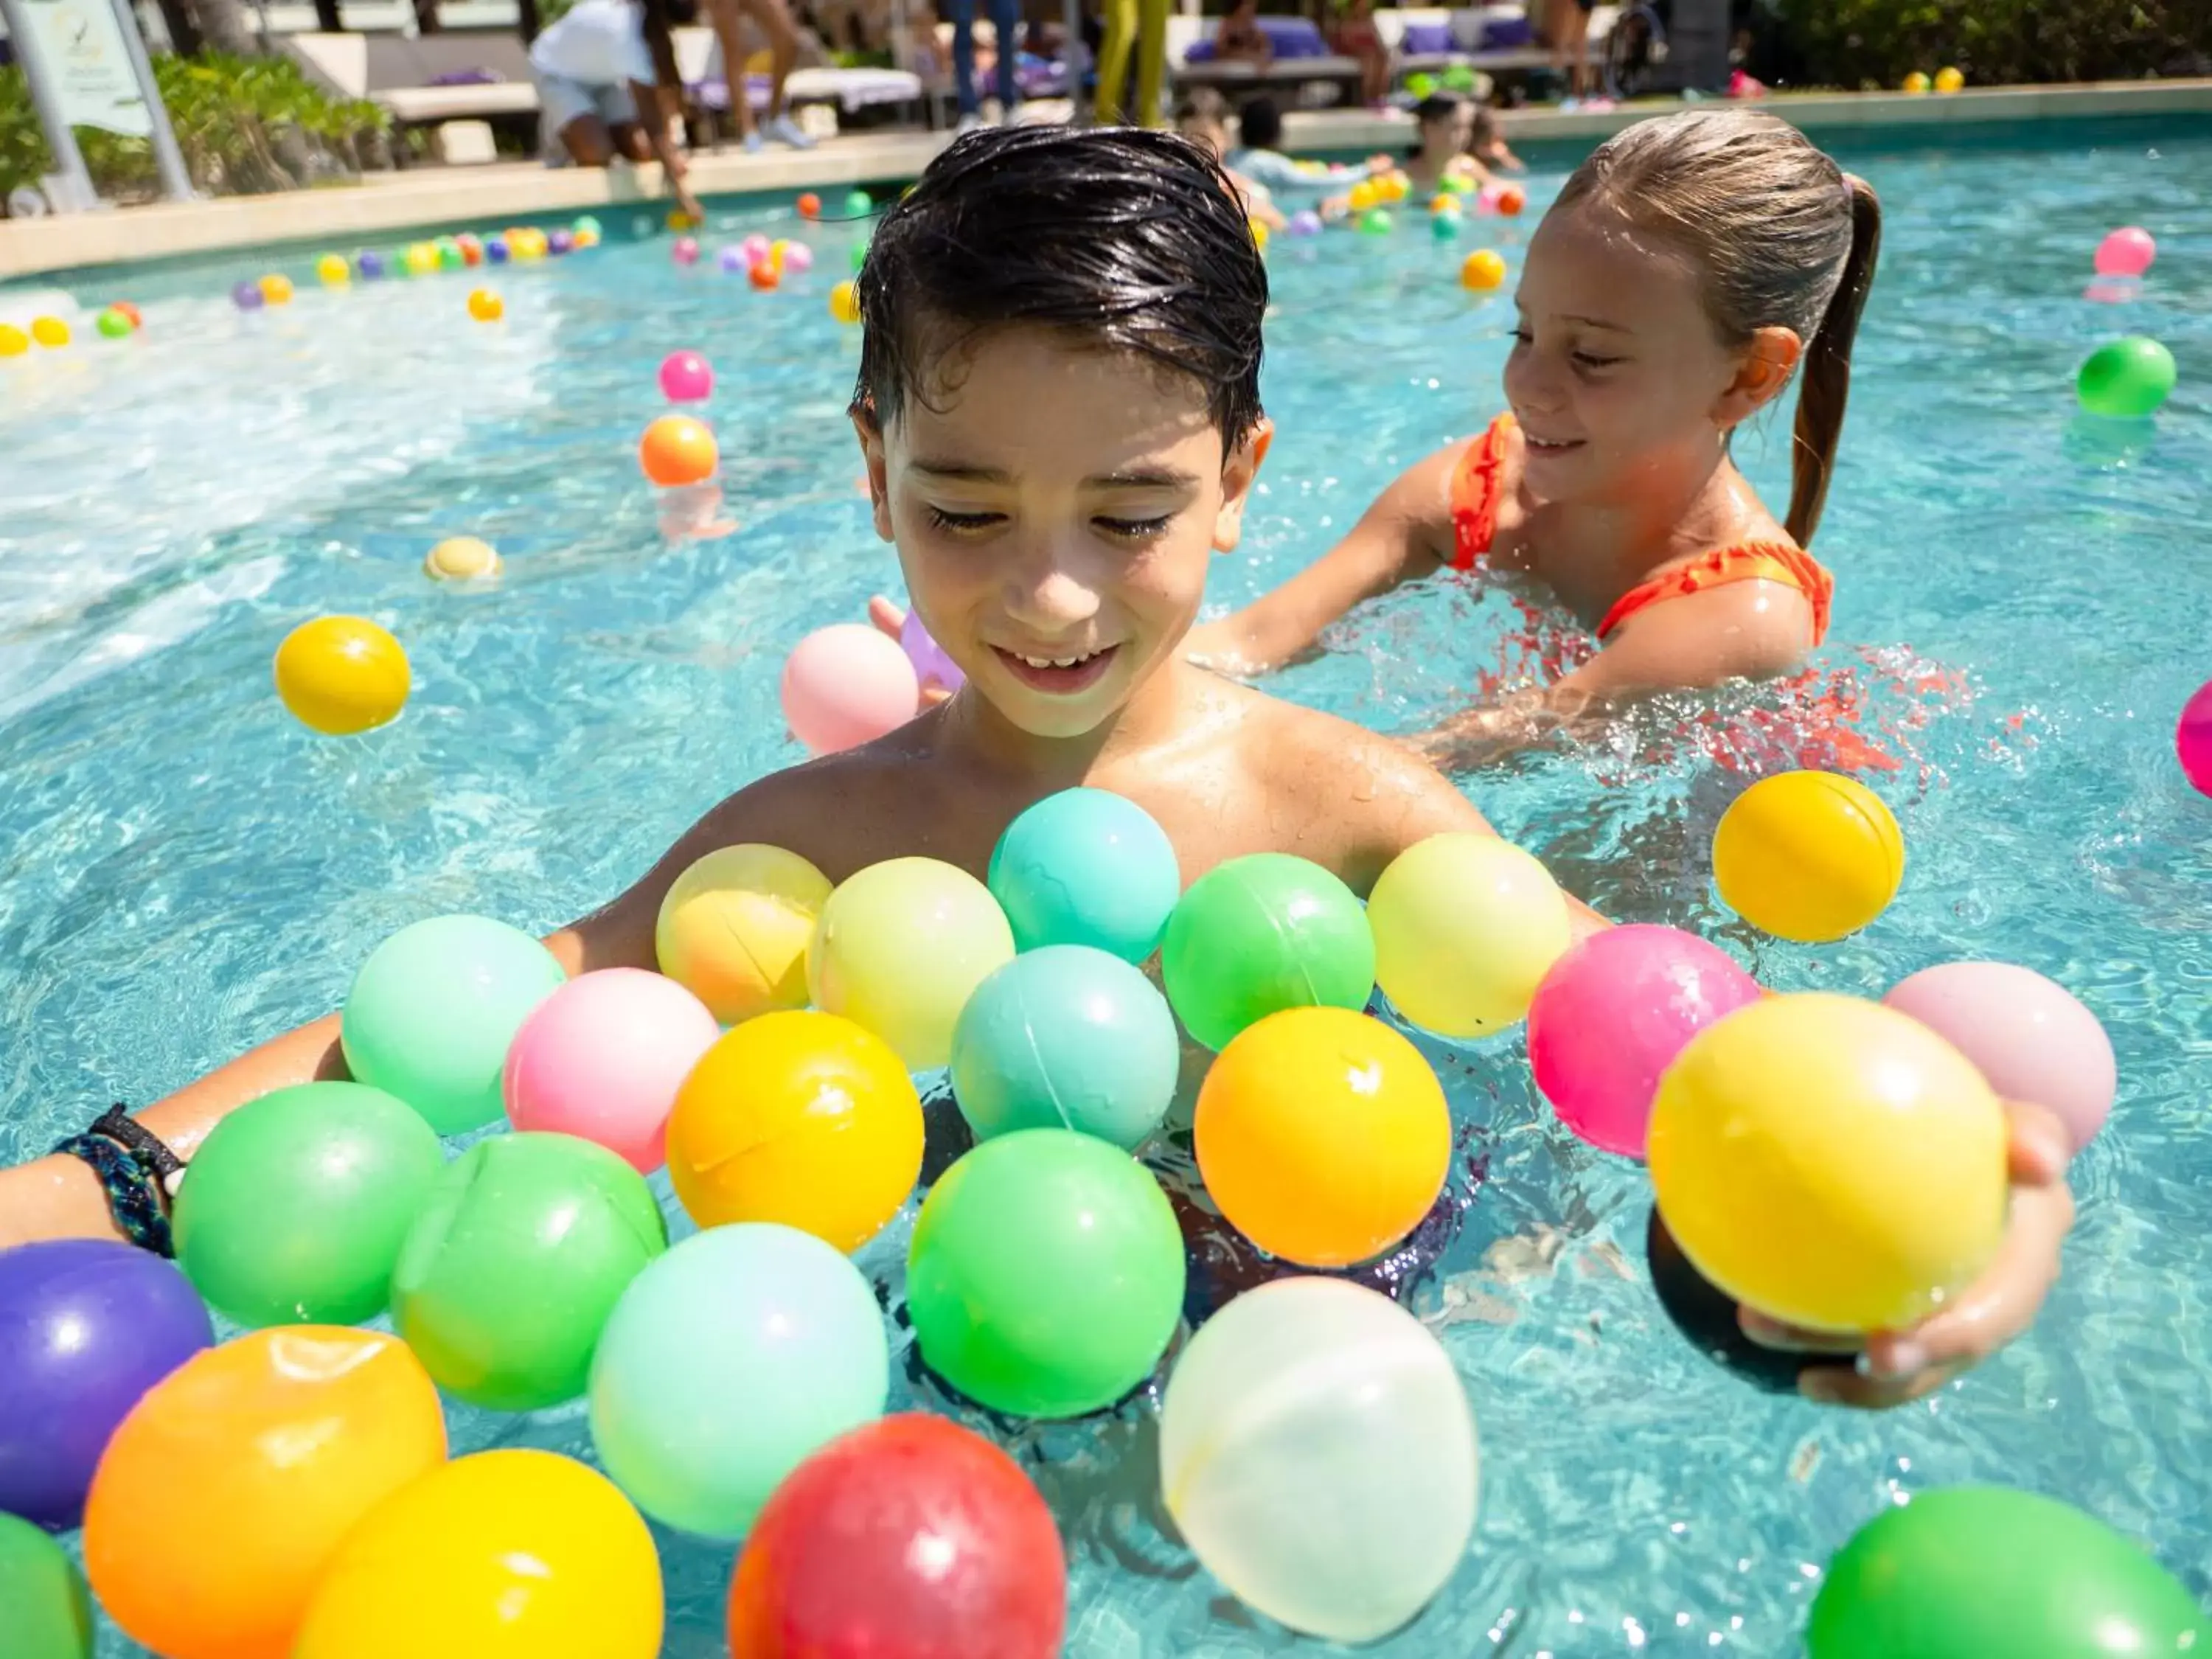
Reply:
x=136, y=1170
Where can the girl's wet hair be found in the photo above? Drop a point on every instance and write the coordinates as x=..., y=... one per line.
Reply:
x=1114, y=238
x=1437, y=106
x=1781, y=237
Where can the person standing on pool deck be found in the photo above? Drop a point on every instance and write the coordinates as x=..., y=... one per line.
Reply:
x=1690, y=270
x=1058, y=407
x=607, y=86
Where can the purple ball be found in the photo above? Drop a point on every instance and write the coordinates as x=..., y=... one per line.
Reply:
x=560, y=241
x=931, y=666
x=246, y=296
x=87, y=1326
x=371, y=266
x=1306, y=223
x=731, y=258
x=495, y=249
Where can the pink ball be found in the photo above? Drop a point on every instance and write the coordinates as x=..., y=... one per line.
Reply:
x=2192, y=739
x=603, y=1057
x=2126, y=253
x=2029, y=1038
x=686, y=378
x=685, y=251
x=845, y=686
x=797, y=257
x=755, y=248
x=1612, y=1015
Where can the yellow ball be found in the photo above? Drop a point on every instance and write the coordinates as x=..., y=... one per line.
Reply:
x=1443, y=202
x=422, y=259
x=1466, y=928
x=776, y=251
x=1809, y=856
x=1949, y=80
x=49, y=331
x=276, y=291
x=900, y=948
x=1916, y=81
x=1830, y=1163
x=1362, y=196
x=1482, y=270
x=1260, y=234
x=584, y=237
x=342, y=674
x=1323, y=1135
x=485, y=306
x=14, y=342
x=1396, y=186
x=460, y=558
x=679, y=220
x=798, y=1117
x=734, y=930
x=844, y=302
x=333, y=271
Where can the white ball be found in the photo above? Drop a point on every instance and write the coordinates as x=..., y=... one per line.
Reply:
x=1318, y=1453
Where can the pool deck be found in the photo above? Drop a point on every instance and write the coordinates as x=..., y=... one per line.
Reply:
x=383, y=204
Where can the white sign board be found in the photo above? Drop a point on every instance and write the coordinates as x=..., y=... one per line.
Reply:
x=81, y=50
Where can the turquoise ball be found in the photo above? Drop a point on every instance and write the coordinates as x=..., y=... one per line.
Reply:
x=1086, y=866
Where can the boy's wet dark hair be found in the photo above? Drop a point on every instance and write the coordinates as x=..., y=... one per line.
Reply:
x=1259, y=125
x=1113, y=237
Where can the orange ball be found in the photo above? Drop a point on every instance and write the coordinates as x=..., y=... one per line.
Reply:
x=276, y=291
x=765, y=274
x=130, y=311
x=1323, y=1135
x=224, y=1494
x=1511, y=200
x=485, y=306
x=677, y=450
x=810, y=206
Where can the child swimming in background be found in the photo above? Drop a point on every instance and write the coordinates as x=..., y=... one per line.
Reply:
x=1058, y=408
x=1486, y=144
x=608, y=87
x=1693, y=268
x=1202, y=117
x=1444, y=127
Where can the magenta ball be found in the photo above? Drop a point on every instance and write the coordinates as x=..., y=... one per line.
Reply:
x=686, y=378
x=2126, y=253
x=931, y=666
x=602, y=1058
x=2192, y=739
x=2028, y=1036
x=1612, y=1015
x=732, y=257
x=845, y=686
x=797, y=256
x=755, y=248
x=684, y=250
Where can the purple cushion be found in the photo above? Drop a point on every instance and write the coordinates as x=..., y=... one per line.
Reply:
x=467, y=77
x=1425, y=40
x=1294, y=37
x=1201, y=51
x=1505, y=33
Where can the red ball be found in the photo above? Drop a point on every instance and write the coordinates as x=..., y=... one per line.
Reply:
x=763, y=275
x=810, y=206
x=910, y=1538
x=1511, y=200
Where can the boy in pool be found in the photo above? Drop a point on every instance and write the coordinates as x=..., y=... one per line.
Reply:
x=1058, y=407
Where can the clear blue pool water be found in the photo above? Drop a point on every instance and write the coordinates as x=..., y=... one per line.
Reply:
x=2025, y=603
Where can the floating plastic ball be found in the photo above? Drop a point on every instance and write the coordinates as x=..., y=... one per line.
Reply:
x=1045, y=1276
x=858, y=204
x=733, y=929
x=1963, y=1573
x=1949, y=80
x=1443, y=202
x=1466, y=926
x=112, y=325
x=1066, y=1036
x=1317, y=1454
x=128, y=312
x=900, y=948
x=932, y=667
x=755, y=247
x=1261, y=232
x=1086, y=866
x=686, y=378
x=246, y=296
x=1511, y=199
x=798, y=258
x=1612, y=1015
x=461, y=558
x=49, y=1608
x=224, y=1496
x=87, y=1326
x=729, y=259
x=2127, y=381
x=679, y=220
x=342, y=675
x=498, y=251
x=485, y=306
x=1481, y=272
x=450, y=257
x=2192, y=739
x=557, y=242
x=845, y=686
x=420, y=259
x=372, y=268
x=1444, y=227
x=1362, y=196
x=433, y=1010
x=676, y=450
x=14, y=342
x=509, y=1553
x=602, y=1058
x=912, y=1538
x=1829, y=1162
x=586, y=225
x=1917, y=81
x=1376, y=222
x=844, y=302
x=1306, y=223
x=778, y=251
x=1323, y=1136
x=1809, y=856
x=276, y=291
x=584, y=238
x=51, y=331
x=684, y=250
x=2031, y=1038
x=333, y=271
x=800, y=1118
x=764, y=277
x=1260, y=934
x=809, y=205
x=296, y=1203
x=728, y=1361
x=473, y=251
x=514, y=1263
x=2128, y=251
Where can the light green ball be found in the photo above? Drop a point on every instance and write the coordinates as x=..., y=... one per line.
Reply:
x=45, y=1612
x=113, y=325
x=2128, y=379
x=1375, y=221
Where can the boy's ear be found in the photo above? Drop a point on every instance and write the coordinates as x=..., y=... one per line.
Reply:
x=1238, y=470
x=872, y=456
x=1760, y=375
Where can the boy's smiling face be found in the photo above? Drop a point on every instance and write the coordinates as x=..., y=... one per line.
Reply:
x=1054, y=508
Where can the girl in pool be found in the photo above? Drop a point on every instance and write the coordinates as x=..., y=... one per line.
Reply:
x=1690, y=270
x=1444, y=124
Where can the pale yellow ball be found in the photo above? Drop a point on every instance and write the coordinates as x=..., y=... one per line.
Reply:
x=734, y=927
x=461, y=558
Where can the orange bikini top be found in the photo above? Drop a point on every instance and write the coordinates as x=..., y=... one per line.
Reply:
x=1476, y=491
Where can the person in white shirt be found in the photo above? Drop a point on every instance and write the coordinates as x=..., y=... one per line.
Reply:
x=607, y=86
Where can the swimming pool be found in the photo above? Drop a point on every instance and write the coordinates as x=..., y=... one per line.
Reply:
x=186, y=870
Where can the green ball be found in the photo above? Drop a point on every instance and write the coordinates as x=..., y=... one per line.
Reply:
x=294, y=1207
x=519, y=1254
x=1373, y=222
x=2127, y=380
x=1445, y=226
x=1046, y=1274
x=450, y=257
x=1973, y=1573
x=860, y=256
x=432, y=1011
x=858, y=204
x=1420, y=84
x=113, y=324
x=46, y=1612
x=585, y=224
x=1261, y=934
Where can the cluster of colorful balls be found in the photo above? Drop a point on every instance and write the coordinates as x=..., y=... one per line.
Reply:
x=119, y=321
x=464, y=252
x=1945, y=80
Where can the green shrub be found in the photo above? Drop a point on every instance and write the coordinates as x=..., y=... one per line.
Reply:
x=1877, y=43
x=245, y=124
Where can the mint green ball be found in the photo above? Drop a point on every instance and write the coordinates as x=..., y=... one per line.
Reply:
x=46, y=1612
